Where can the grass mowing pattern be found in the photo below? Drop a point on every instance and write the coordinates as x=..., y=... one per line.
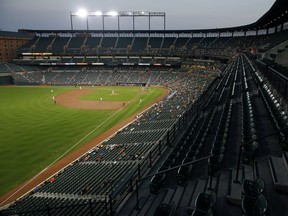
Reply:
x=35, y=132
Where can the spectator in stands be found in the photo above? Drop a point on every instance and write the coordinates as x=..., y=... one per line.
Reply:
x=36, y=189
x=52, y=179
x=99, y=158
x=87, y=157
x=18, y=201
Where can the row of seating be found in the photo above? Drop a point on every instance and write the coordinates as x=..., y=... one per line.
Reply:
x=225, y=77
x=195, y=144
x=180, y=148
x=137, y=137
x=63, y=206
x=220, y=46
x=277, y=114
x=151, y=125
x=10, y=67
x=120, y=152
x=248, y=129
x=221, y=139
x=74, y=179
x=223, y=125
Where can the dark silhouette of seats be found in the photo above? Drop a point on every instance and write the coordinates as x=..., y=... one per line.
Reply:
x=252, y=206
x=252, y=188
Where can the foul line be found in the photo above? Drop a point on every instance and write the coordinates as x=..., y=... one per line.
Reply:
x=70, y=149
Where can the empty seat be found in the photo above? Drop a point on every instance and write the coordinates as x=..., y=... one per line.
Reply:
x=252, y=188
x=205, y=201
x=165, y=209
x=252, y=206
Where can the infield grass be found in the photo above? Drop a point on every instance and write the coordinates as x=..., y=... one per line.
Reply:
x=34, y=132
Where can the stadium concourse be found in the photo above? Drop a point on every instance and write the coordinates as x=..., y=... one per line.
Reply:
x=216, y=145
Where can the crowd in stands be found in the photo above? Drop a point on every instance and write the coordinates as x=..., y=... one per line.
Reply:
x=152, y=46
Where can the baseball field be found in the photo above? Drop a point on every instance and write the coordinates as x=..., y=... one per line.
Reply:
x=41, y=125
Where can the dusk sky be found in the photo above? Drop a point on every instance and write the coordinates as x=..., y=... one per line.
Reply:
x=181, y=14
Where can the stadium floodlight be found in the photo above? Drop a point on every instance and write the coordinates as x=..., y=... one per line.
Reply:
x=82, y=13
x=104, y=14
x=112, y=13
x=98, y=13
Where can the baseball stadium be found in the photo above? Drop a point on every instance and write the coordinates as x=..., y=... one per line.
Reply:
x=145, y=122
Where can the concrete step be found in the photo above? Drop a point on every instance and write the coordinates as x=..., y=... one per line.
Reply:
x=248, y=172
x=235, y=193
x=187, y=195
x=279, y=173
x=169, y=195
x=156, y=202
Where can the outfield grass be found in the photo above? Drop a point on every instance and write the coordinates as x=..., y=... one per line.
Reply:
x=34, y=132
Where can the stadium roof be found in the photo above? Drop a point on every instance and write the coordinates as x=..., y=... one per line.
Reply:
x=277, y=15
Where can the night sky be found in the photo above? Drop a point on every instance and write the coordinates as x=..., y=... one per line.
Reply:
x=181, y=14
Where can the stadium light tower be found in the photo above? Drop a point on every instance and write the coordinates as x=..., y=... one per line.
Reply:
x=132, y=14
x=81, y=13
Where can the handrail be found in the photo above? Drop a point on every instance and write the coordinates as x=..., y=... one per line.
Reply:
x=164, y=171
x=273, y=70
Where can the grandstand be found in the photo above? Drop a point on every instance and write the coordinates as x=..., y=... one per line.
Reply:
x=216, y=145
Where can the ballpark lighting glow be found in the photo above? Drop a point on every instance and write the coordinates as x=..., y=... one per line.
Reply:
x=98, y=13
x=112, y=13
x=102, y=14
x=82, y=13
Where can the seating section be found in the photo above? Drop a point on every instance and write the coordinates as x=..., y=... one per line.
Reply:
x=73, y=206
x=28, y=46
x=124, y=42
x=139, y=45
x=4, y=68
x=110, y=169
x=227, y=123
x=70, y=183
x=276, y=112
x=59, y=45
x=43, y=44
x=89, y=44
x=206, y=114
